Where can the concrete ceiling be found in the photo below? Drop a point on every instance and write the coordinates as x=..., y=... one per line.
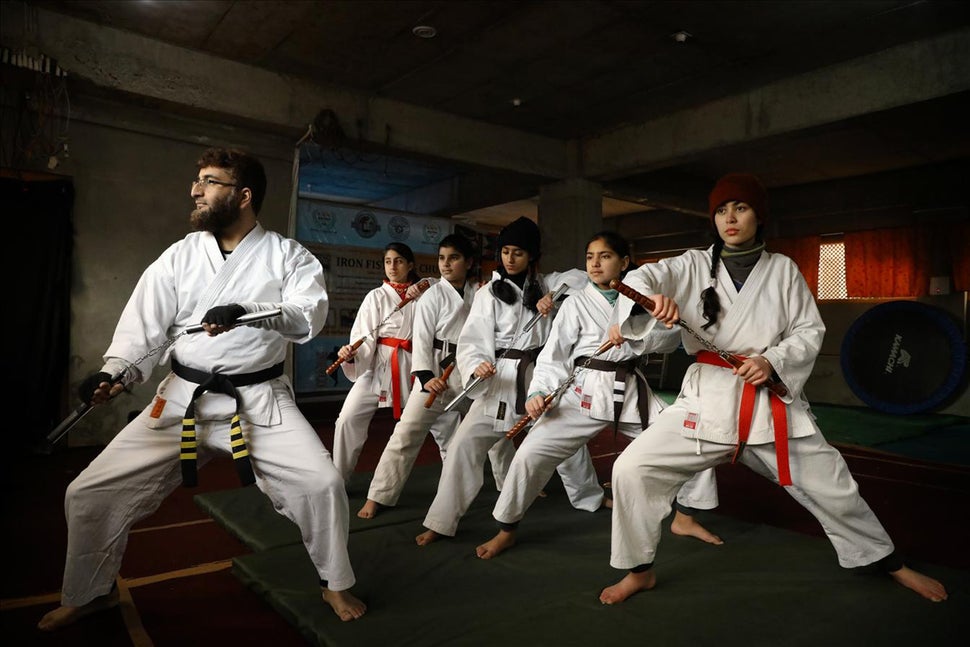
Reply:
x=596, y=74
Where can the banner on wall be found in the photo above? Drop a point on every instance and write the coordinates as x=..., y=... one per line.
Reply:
x=349, y=242
x=327, y=223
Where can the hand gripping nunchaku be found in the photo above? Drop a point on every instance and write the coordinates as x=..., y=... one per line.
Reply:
x=548, y=400
x=61, y=430
x=444, y=376
x=772, y=384
x=528, y=326
x=422, y=285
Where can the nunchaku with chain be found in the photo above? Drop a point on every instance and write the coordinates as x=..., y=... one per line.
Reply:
x=548, y=400
x=773, y=384
x=528, y=326
x=422, y=285
x=54, y=436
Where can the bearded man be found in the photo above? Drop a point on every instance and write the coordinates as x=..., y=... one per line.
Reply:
x=225, y=394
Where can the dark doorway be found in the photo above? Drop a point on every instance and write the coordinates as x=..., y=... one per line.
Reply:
x=39, y=248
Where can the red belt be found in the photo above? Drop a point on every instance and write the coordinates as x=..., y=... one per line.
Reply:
x=779, y=417
x=396, y=344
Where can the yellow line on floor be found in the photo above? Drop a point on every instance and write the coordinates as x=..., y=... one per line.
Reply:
x=123, y=584
x=173, y=525
x=30, y=601
x=606, y=455
x=129, y=613
x=201, y=569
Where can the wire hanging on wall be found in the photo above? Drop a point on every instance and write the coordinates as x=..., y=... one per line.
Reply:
x=326, y=138
x=43, y=112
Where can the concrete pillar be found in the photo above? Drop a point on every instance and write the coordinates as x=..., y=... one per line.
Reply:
x=570, y=212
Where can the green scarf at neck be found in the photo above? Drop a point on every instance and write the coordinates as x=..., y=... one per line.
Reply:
x=740, y=262
x=609, y=295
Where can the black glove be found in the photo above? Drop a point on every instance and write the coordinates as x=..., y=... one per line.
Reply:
x=224, y=315
x=90, y=384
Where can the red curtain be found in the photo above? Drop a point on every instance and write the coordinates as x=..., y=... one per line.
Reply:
x=804, y=251
x=959, y=240
x=888, y=262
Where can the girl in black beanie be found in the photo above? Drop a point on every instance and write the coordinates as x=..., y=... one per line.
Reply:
x=495, y=347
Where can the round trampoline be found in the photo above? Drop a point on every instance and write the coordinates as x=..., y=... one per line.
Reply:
x=904, y=357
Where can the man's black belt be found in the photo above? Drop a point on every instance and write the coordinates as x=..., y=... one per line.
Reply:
x=622, y=369
x=218, y=383
x=240, y=379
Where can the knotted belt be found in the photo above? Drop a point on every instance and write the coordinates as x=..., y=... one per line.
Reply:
x=622, y=370
x=446, y=347
x=217, y=383
x=397, y=345
x=526, y=358
x=779, y=418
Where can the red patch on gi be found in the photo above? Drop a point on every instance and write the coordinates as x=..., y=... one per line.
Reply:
x=159, y=405
x=691, y=421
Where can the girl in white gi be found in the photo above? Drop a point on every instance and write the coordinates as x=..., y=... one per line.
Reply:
x=233, y=385
x=438, y=318
x=495, y=328
x=754, y=304
x=608, y=389
x=380, y=367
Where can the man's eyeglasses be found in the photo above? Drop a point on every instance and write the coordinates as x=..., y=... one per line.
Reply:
x=205, y=182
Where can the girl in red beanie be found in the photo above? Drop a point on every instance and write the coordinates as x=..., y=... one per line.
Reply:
x=754, y=304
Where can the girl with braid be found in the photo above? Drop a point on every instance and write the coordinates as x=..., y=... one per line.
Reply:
x=754, y=304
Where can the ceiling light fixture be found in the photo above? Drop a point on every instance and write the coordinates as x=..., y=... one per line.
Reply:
x=516, y=102
x=681, y=36
x=424, y=31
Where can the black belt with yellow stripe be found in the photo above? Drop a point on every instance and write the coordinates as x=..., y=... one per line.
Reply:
x=217, y=383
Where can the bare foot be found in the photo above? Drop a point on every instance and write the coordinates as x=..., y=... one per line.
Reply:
x=922, y=584
x=344, y=604
x=686, y=526
x=630, y=584
x=370, y=510
x=427, y=537
x=542, y=494
x=64, y=616
x=607, y=495
x=496, y=545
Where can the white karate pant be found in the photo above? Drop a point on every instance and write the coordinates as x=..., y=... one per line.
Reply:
x=654, y=466
x=555, y=437
x=353, y=421
x=131, y=477
x=401, y=451
x=462, y=473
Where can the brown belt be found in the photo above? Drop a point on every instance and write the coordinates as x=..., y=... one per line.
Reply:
x=526, y=358
x=622, y=369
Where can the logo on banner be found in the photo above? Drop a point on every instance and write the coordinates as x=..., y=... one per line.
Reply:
x=325, y=221
x=432, y=232
x=399, y=228
x=365, y=224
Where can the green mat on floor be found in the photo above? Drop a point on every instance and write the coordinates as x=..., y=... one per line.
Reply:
x=249, y=516
x=765, y=586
